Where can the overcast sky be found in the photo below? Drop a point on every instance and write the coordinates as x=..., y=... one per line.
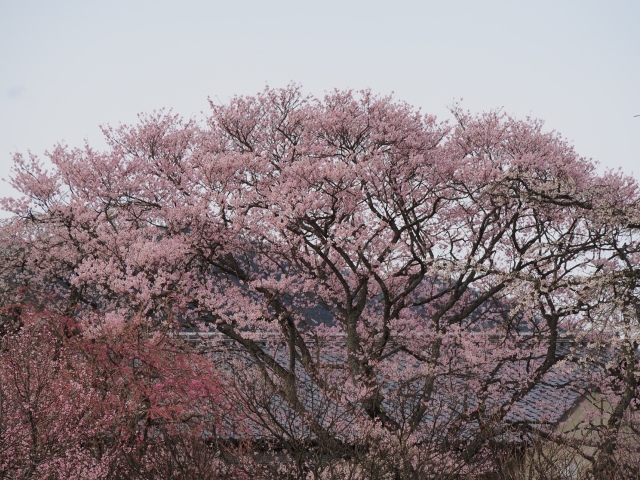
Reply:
x=68, y=66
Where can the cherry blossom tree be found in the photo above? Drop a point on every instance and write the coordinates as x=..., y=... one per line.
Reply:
x=380, y=290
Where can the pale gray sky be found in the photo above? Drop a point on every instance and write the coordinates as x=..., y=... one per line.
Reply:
x=68, y=66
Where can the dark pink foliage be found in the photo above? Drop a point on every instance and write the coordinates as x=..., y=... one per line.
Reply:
x=106, y=402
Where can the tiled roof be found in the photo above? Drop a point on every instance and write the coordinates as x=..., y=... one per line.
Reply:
x=549, y=400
